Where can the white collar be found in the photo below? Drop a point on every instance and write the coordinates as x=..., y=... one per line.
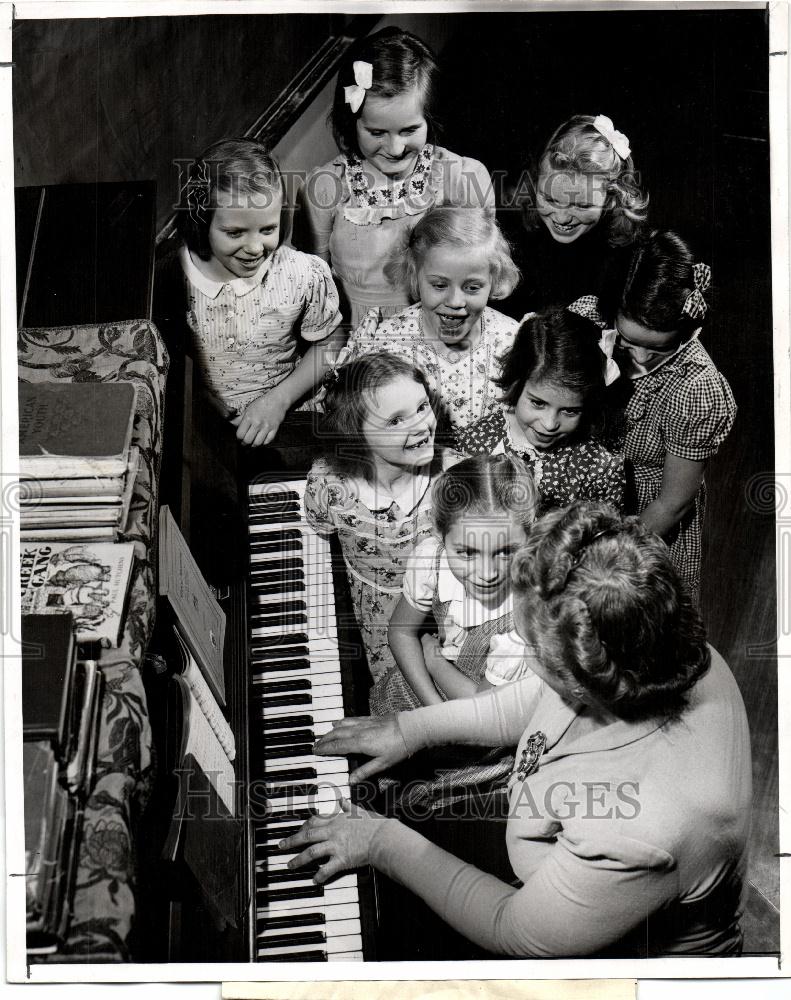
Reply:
x=408, y=496
x=211, y=287
x=467, y=610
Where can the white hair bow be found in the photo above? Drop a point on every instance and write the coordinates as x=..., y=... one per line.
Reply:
x=616, y=139
x=363, y=77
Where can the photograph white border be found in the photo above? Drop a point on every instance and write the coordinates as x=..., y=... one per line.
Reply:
x=678, y=969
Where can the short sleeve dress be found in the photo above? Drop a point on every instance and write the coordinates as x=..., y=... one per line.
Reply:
x=686, y=408
x=377, y=533
x=574, y=470
x=463, y=380
x=354, y=226
x=246, y=331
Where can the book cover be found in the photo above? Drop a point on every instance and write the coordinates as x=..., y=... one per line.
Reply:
x=87, y=580
x=41, y=488
x=75, y=428
x=48, y=656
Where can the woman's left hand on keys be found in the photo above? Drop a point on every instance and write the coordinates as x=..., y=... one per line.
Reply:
x=261, y=419
x=343, y=839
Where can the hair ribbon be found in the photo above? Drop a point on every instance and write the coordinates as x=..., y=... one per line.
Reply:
x=363, y=77
x=695, y=305
x=616, y=139
x=587, y=306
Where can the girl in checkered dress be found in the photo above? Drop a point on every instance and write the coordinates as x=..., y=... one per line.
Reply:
x=673, y=409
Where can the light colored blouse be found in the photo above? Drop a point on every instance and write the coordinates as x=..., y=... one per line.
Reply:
x=354, y=225
x=629, y=836
x=246, y=330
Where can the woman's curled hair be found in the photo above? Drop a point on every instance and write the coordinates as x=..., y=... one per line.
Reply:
x=605, y=606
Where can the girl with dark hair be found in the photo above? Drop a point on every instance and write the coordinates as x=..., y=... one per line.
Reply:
x=461, y=578
x=388, y=172
x=373, y=487
x=553, y=380
x=613, y=855
x=246, y=299
x=679, y=407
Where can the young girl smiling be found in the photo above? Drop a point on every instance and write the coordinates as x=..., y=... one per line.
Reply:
x=373, y=487
x=388, y=172
x=454, y=261
x=552, y=381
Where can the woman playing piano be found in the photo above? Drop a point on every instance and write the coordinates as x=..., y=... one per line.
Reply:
x=629, y=805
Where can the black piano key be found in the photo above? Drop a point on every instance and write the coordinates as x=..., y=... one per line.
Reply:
x=291, y=774
x=295, y=816
x=263, y=897
x=286, y=791
x=299, y=664
x=295, y=920
x=274, y=687
x=274, y=504
x=294, y=587
x=279, y=940
x=281, y=607
x=275, y=495
x=288, y=564
x=305, y=736
x=260, y=620
x=281, y=639
x=301, y=956
x=287, y=722
x=263, y=879
x=273, y=535
x=293, y=698
x=281, y=517
x=278, y=833
x=290, y=750
x=286, y=545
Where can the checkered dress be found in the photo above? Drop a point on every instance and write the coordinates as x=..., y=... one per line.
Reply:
x=686, y=408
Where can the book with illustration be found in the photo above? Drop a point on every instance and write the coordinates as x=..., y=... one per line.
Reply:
x=88, y=580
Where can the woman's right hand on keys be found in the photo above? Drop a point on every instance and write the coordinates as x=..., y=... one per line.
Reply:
x=377, y=737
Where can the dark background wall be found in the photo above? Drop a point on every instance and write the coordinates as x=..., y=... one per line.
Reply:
x=119, y=99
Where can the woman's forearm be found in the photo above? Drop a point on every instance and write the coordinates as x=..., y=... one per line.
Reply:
x=491, y=718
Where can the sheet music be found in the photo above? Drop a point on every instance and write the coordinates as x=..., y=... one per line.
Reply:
x=204, y=745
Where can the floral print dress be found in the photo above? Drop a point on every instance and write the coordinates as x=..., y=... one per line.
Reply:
x=574, y=470
x=355, y=226
x=377, y=532
x=462, y=379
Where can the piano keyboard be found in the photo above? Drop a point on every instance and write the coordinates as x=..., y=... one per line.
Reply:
x=296, y=694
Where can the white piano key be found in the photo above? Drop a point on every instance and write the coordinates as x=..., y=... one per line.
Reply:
x=323, y=709
x=329, y=896
x=322, y=765
x=346, y=956
x=331, y=947
x=344, y=882
x=330, y=928
x=319, y=669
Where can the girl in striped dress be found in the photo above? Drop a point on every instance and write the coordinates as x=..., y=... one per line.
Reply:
x=252, y=303
x=373, y=487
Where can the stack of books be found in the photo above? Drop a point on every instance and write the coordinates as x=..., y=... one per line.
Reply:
x=61, y=699
x=77, y=461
